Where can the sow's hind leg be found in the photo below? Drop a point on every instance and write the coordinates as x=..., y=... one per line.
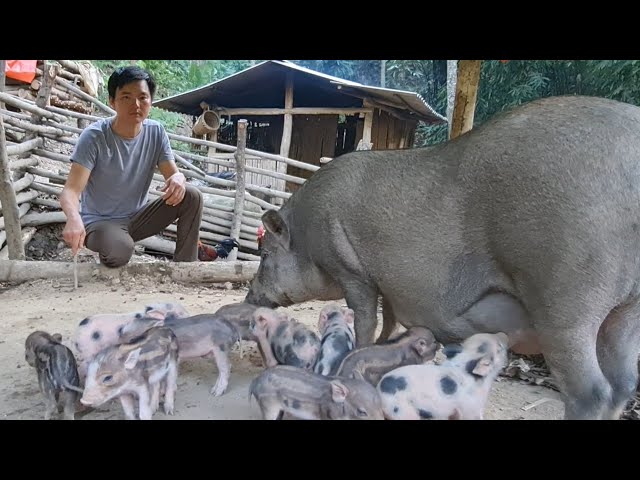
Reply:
x=567, y=327
x=618, y=346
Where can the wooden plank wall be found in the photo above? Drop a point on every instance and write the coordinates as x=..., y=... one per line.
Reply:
x=389, y=132
x=313, y=136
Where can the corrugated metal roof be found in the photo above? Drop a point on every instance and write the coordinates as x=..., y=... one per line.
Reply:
x=261, y=85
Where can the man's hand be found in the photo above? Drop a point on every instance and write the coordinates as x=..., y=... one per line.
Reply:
x=174, y=189
x=74, y=234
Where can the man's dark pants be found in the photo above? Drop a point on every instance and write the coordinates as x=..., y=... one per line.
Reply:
x=114, y=239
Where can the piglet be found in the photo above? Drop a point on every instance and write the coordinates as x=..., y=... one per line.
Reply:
x=307, y=395
x=136, y=368
x=338, y=338
x=456, y=389
x=283, y=340
x=416, y=345
x=166, y=310
x=57, y=371
x=99, y=331
x=239, y=314
x=204, y=335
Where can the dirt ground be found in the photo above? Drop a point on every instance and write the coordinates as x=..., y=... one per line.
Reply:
x=54, y=306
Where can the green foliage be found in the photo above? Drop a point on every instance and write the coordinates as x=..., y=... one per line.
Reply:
x=502, y=85
x=366, y=72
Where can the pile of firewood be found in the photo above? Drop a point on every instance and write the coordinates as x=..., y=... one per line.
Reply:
x=74, y=81
x=45, y=117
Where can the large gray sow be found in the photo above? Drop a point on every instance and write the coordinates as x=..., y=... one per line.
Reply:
x=528, y=224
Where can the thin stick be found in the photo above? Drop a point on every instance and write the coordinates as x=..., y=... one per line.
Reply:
x=75, y=271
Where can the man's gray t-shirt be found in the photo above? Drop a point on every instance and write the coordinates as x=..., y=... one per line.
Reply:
x=121, y=169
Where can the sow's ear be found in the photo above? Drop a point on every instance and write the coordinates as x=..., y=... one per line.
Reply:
x=275, y=224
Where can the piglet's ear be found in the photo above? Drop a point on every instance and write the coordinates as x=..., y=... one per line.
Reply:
x=322, y=321
x=349, y=315
x=43, y=356
x=132, y=358
x=57, y=337
x=422, y=347
x=155, y=314
x=339, y=391
x=483, y=367
x=261, y=321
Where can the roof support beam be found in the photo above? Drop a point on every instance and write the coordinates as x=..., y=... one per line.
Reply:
x=292, y=111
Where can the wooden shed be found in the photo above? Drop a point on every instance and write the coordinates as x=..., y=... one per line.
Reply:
x=301, y=114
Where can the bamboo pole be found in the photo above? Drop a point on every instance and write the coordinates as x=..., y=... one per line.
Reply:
x=23, y=163
x=26, y=235
x=22, y=211
x=29, y=107
x=30, y=126
x=232, y=148
x=23, y=147
x=23, y=182
x=231, y=165
x=40, y=187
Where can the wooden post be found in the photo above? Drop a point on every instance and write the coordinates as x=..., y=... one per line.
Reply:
x=287, y=128
x=49, y=74
x=466, y=95
x=365, y=143
x=452, y=75
x=238, y=207
x=10, y=209
x=212, y=167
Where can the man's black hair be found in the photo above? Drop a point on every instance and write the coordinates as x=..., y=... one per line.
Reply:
x=131, y=73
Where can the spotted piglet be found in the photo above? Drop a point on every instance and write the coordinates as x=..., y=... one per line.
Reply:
x=284, y=341
x=309, y=396
x=338, y=338
x=139, y=368
x=457, y=389
x=97, y=332
x=415, y=346
x=204, y=335
x=166, y=310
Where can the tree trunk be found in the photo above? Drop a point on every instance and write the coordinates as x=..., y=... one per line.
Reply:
x=466, y=96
